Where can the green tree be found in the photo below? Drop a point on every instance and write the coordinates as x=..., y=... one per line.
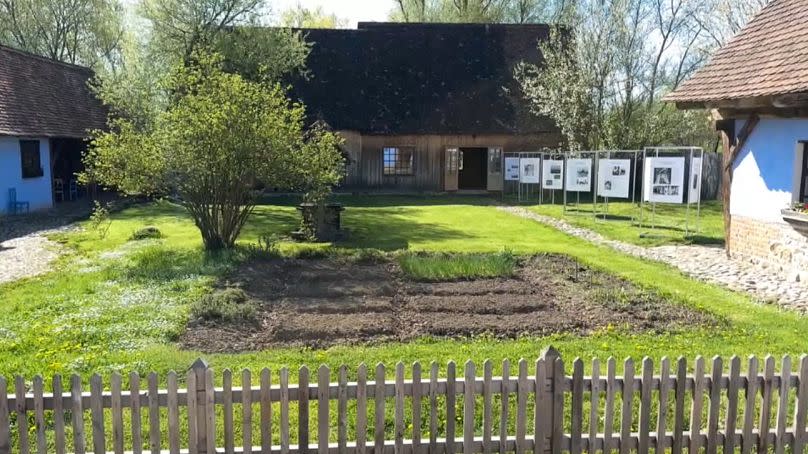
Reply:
x=302, y=17
x=221, y=136
x=494, y=11
x=86, y=32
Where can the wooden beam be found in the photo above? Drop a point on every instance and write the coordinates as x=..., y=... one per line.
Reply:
x=731, y=152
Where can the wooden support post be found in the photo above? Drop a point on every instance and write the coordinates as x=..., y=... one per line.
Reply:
x=730, y=152
x=554, y=410
x=200, y=369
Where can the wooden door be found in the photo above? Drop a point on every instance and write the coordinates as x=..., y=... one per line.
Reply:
x=450, y=169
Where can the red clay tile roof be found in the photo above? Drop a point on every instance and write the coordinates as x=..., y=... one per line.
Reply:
x=769, y=56
x=46, y=98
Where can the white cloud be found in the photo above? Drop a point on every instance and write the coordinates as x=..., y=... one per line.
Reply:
x=352, y=10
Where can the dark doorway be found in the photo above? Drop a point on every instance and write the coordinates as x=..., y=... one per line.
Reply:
x=474, y=168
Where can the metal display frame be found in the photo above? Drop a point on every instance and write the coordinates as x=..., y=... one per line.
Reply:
x=632, y=186
x=592, y=171
x=524, y=191
x=689, y=154
x=553, y=156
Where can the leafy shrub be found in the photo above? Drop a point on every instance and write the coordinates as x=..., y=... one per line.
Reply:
x=100, y=221
x=228, y=305
x=146, y=233
x=267, y=247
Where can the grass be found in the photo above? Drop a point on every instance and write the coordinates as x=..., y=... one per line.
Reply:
x=660, y=226
x=448, y=267
x=113, y=304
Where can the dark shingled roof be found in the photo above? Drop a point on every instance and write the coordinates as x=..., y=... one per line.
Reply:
x=389, y=78
x=769, y=56
x=46, y=98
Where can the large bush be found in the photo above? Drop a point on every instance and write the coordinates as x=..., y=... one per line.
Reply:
x=220, y=138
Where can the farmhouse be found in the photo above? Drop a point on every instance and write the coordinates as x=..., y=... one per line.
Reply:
x=757, y=88
x=425, y=107
x=46, y=110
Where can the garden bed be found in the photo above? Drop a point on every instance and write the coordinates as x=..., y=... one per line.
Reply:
x=322, y=302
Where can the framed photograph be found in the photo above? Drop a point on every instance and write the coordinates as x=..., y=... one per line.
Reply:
x=664, y=180
x=552, y=172
x=579, y=175
x=614, y=178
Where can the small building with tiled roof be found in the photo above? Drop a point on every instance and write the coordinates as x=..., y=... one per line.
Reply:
x=425, y=106
x=46, y=112
x=757, y=88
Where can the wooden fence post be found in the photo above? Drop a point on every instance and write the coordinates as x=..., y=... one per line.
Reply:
x=199, y=368
x=554, y=401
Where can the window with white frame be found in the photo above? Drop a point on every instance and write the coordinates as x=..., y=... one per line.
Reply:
x=398, y=160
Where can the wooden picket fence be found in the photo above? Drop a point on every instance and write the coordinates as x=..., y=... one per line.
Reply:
x=536, y=408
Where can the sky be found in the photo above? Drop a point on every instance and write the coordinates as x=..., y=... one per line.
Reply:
x=352, y=10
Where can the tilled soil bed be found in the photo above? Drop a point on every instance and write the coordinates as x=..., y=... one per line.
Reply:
x=321, y=302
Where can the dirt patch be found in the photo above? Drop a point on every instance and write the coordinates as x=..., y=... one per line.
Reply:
x=325, y=302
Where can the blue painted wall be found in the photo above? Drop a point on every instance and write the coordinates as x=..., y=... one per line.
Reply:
x=36, y=191
x=764, y=171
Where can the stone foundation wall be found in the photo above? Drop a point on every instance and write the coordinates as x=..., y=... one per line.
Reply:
x=771, y=244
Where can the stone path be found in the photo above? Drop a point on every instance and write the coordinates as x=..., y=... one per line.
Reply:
x=26, y=256
x=706, y=263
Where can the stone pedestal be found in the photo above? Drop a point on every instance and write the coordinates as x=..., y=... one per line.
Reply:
x=324, y=222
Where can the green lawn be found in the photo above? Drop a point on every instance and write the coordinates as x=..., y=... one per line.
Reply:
x=625, y=221
x=114, y=304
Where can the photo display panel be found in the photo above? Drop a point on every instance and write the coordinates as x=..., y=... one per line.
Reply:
x=694, y=192
x=529, y=170
x=614, y=176
x=579, y=175
x=664, y=180
x=553, y=174
x=512, y=169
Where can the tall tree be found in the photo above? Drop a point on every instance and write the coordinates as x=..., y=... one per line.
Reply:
x=604, y=74
x=501, y=11
x=302, y=17
x=86, y=32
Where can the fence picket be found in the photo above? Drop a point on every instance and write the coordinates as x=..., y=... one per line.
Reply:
x=342, y=410
x=361, y=408
x=801, y=406
x=747, y=439
x=399, y=409
x=433, y=408
x=627, y=396
x=22, y=415
x=594, y=406
x=172, y=402
x=117, y=413
x=137, y=436
x=154, y=415
x=58, y=416
x=210, y=410
x=78, y=416
x=521, y=406
x=284, y=385
x=645, y=405
x=504, y=407
x=732, y=404
x=766, y=408
x=543, y=408
x=695, y=409
x=5, y=435
x=227, y=411
x=192, y=411
x=557, y=424
x=679, y=407
x=39, y=414
x=378, y=402
x=715, y=402
x=416, y=407
x=608, y=425
x=469, y=402
x=451, y=406
x=97, y=414
x=303, y=410
x=488, y=424
x=323, y=411
x=576, y=425
x=266, y=411
x=662, y=416
x=782, y=406
x=246, y=411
